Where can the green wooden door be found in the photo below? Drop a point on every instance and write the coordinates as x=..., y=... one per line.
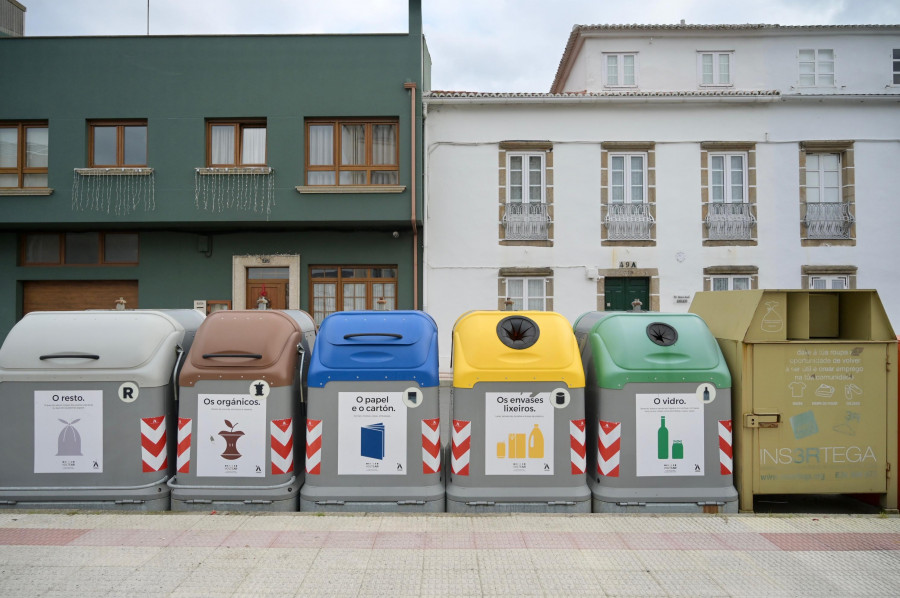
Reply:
x=620, y=292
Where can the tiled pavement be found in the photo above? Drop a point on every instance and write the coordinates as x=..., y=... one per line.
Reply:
x=305, y=554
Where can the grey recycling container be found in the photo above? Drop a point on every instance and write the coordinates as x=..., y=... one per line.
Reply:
x=241, y=412
x=373, y=427
x=517, y=415
x=658, y=404
x=88, y=402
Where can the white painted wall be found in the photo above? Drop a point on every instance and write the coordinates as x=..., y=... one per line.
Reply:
x=463, y=255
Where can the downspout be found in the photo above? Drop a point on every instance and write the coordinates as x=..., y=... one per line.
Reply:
x=412, y=189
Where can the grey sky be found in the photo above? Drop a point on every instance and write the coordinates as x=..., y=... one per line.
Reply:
x=477, y=45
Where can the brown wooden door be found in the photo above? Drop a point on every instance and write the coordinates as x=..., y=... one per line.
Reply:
x=276, y=293
x=66, y=295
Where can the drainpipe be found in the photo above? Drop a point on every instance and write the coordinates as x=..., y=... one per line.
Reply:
x=412, y=189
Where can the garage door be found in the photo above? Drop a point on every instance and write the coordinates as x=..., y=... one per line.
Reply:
x=64, y=295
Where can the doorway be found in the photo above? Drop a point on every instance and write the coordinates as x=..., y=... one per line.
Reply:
x=271, y=283
x=620, y=292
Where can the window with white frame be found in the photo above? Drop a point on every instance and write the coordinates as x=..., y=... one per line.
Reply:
x=823, y=178
x=525, y=177
x=620, y=70
x=627, y=178
x=715, y=68
x=730, y=282
x=816, y=68
x=728, y=178
x=829, y=282
x=526, y=293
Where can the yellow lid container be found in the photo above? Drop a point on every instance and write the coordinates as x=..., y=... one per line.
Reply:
x=525, y=346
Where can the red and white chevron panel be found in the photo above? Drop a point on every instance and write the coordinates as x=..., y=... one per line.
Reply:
x=314, y=446
x=726, y=456
x=183, y=460
x=282, y=431
x=578, y=444
x=431, y=445
x=460, y=446
x=608, y=447
x=154, y=455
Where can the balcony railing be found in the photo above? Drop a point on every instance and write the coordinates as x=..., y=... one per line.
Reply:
x=629, y=222
x=526, y=221
x=730, y=221
x=828, y=220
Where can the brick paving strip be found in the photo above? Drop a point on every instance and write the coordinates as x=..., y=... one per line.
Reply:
x=184, y=555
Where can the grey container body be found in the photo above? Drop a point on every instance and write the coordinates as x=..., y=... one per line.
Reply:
x=88, y=403
x=561, y=491
x=238, y=487
x=629, y=492
x=341, y=483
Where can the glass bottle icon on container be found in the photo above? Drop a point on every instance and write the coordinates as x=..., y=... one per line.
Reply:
x=662, y=439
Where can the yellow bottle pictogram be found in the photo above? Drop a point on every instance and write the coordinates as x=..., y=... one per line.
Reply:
x=536, y=443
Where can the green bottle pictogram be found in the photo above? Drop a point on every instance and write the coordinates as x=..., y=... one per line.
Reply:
x=662, y=439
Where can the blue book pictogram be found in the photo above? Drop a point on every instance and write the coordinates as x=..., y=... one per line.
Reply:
x=371, y=441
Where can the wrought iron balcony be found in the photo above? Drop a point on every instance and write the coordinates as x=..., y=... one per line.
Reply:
x=828, y=220
x=628, y=222
x=526, y=221
x=730, y=221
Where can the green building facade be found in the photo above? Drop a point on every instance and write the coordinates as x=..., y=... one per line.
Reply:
x=212, y=172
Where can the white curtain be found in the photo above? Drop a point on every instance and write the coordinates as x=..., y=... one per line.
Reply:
x=353, y=145
x=9, y=147
x=321, y=145
x=222, y=144
x=253, y=145
x=384, y=144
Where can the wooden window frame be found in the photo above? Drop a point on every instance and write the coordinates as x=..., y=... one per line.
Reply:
x=61, y=261
x=338, y=280
x=21, y=169
x=369, y=167
x=239, y=126
x=120, y=142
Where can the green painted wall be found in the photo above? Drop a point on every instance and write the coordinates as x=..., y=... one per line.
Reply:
x=177, y=83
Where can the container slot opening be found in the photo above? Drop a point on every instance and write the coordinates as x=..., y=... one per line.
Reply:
x=518, y=332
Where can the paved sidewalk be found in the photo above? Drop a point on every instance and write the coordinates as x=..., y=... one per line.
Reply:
x=305, y=554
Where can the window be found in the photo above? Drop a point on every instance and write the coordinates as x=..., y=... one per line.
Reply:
x=345, y=288
x=118, y=144
x=827, y=192
x=526, y=193
x=730, y=283
x=352, y=152
x=526, y=293
x=828, y=277
x=79, y=249
x=621, y=70
x=896, y=61
x=628, y=193
x=727, y=177
x=816, y=68
x=823, y=178
x=23, y=155
x=829, y=282
x=236, y=143
x=627, y=174
x=715, y=68
x=525, y=178
x=730, y=278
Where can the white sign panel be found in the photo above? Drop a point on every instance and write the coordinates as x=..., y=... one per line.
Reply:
x=68, y=431
x=669, y=434
x=371, y=433
x=518, y=433
x=231, y=436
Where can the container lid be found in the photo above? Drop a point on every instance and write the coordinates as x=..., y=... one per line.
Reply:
x=625, y=347
x=88, y=340
x=492, y=346
x=230, y=341
x=376, y=345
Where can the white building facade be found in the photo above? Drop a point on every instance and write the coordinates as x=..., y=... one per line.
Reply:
x=668, y=160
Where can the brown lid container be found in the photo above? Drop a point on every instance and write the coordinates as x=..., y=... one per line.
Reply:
x=244, y=345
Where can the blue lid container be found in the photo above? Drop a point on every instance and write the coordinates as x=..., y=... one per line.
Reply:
x=375, y=345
